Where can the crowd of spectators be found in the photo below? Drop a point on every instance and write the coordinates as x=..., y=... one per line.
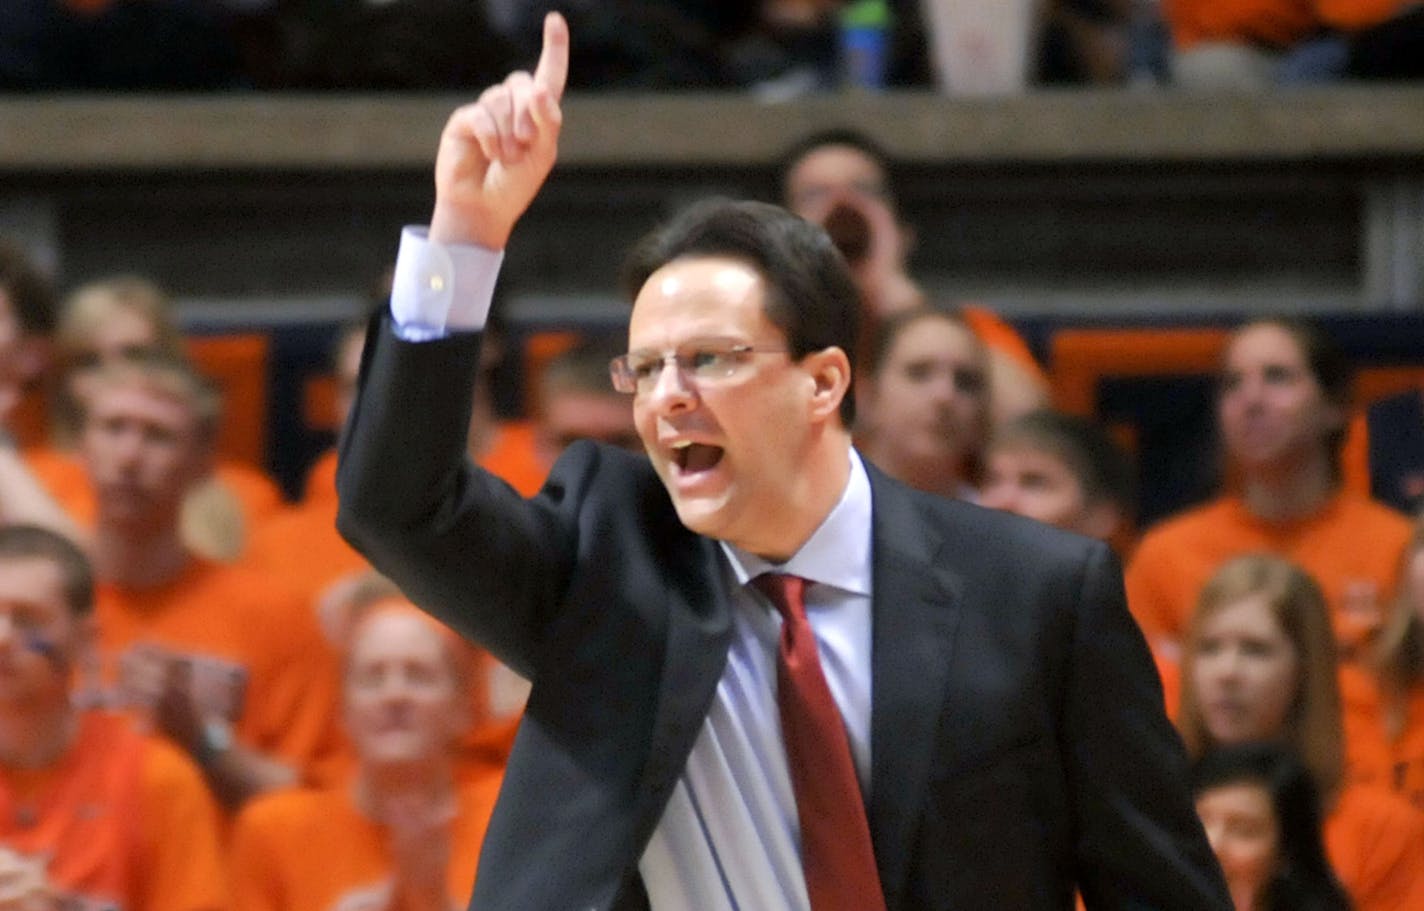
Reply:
x=777, y=48
x=216, y=669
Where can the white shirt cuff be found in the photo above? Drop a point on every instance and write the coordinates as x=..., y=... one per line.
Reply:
x=441, y=288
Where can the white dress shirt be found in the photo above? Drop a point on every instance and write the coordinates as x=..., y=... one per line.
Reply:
x=729, y=839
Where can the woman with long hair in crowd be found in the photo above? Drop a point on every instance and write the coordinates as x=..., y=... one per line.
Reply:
x=1261, y=812
x=1259, y=665
x=1281, y=412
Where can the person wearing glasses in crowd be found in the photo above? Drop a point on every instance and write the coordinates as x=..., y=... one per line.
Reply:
x=709, y=725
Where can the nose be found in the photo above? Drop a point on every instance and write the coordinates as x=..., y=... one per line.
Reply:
x=670, y=390
x=941, y=386
x=127, y=448
x=1249, y=391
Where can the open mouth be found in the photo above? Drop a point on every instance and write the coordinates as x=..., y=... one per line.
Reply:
x=692, y=458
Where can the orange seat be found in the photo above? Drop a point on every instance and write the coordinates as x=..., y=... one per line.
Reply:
x=1083, y=358
x=237, y=364
x=538, y=350
x=1375, y=383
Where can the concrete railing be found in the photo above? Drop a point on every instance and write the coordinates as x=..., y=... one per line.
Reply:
x=1053, y=202
x=51, y=134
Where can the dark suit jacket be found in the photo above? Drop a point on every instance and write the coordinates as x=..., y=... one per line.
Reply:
x=1019, y=747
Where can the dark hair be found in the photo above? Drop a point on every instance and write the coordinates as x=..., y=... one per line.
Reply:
x=22, y=542
x=839, y=136
x=1303, y=879
x=1328, y=365
x=31, y=295
x=1103, y=468
x=810, y=295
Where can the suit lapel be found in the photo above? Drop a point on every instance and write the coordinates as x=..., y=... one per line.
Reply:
x=915, y=606
x=699, y=629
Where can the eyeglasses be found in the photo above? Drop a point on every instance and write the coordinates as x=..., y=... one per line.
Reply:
x=704, y=362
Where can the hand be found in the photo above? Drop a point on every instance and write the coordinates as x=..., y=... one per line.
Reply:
x=176, y=714
x=495, y=154
x=420, y=848
x=865, y=230
x=24, y=885
x=143, y=670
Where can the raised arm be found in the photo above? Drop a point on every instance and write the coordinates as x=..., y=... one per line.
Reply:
x=495, y=154
x=459, y=542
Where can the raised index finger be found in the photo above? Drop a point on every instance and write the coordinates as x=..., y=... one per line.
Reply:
x=553, y=69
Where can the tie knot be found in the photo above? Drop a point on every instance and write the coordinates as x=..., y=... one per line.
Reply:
x=786, y=591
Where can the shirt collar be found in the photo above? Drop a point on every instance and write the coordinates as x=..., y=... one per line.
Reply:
x=837, y=553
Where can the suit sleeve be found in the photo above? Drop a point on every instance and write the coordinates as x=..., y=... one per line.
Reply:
x=1139, y=843
x=461, y=543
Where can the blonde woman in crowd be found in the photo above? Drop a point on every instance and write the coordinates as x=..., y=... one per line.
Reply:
x=1259, y=665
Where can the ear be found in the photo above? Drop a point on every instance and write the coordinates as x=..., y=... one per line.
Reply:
x=205, y=457
x=86, y=643
x=829, y=373
x=33, y=357
x=908, y=239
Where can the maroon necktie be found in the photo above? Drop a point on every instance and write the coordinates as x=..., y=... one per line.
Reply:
x=836, y=853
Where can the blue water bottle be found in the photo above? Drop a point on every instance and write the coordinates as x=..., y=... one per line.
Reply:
x=865, y=43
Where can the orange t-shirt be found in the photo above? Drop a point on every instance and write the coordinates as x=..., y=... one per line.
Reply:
x=1170, y=673
x=321, y=479
x=512, y=455
x=126, y=821
x=257, y=657
x=314, y=850
x=1375, y=843
x=1271, y=23
x=302, y=548
x=1372, y=756
x=1351, y=547
x=1355, y=456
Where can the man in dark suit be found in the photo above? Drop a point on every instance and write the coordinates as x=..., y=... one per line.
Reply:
x=690, y=620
